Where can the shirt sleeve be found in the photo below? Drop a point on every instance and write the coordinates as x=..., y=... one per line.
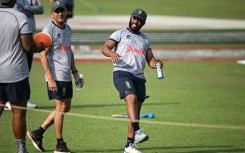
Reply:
x=23, y=24
x=116, y=36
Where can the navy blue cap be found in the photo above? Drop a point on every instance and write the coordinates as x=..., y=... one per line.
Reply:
x=140, y=14
x=57, y=4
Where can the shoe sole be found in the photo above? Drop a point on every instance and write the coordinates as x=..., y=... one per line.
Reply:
x=6, y=108
x=143, y=140
x=61, y=152
x=33, y=142
x=126, y=152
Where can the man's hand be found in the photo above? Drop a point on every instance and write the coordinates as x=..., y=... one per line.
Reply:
x=40, y=47
x=115, y=57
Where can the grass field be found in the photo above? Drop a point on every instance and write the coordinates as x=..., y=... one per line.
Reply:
x=229, y=9
x=199, y=108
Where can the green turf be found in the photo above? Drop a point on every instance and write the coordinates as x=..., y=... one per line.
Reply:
x=201, y=94
x=230, y=9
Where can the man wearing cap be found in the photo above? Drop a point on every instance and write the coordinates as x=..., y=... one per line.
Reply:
x=58, y=64
x=16, y=41
x=69, y=4
x=131, y=51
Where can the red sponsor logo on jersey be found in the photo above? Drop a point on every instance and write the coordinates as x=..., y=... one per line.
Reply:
x=134, y=50
x=64, y=48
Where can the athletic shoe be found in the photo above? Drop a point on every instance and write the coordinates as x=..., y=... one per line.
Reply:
x=140, y=137
x=31, y=105
x=7, y=106
x=36, y=140
x=61, y=148
x=131, y=149
x=21, y=147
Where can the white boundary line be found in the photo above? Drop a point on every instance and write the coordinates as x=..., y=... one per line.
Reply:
x=163, y=123
x=147, y=121
x=154, y=122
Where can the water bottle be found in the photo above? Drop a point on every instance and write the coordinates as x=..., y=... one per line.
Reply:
x=159, y=71
x=79, y=82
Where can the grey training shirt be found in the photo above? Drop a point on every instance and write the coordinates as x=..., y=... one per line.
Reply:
x=132, y=47
x=13, y=61
x=60, y=53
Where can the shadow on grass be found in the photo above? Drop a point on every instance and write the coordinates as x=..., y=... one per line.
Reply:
x=208, y=149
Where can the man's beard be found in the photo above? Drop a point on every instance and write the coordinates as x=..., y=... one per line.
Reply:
x=136, y=29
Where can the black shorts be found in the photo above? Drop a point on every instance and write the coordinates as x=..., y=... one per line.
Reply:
x=126, y=83
x=65, y=91
x=15, y=92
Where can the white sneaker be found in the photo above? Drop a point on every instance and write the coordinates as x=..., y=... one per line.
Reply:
x=140, y=137
x=131, y=149
x=7, y=106
x=31, y=105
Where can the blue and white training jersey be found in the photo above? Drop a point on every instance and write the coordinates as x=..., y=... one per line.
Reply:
x=60, y=53
x=132, y=47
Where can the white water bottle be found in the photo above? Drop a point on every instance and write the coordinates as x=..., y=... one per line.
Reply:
x=159, y=71
x=79, y=83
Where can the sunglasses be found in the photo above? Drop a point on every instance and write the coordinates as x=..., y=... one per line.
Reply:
x=58, y=10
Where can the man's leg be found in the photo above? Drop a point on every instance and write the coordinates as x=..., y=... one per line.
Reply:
x=37, y=135
x=2, y=106
x=19, y=124
x=62, y=107
x=19, y=120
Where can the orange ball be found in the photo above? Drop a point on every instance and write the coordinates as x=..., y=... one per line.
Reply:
x=43, y=37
